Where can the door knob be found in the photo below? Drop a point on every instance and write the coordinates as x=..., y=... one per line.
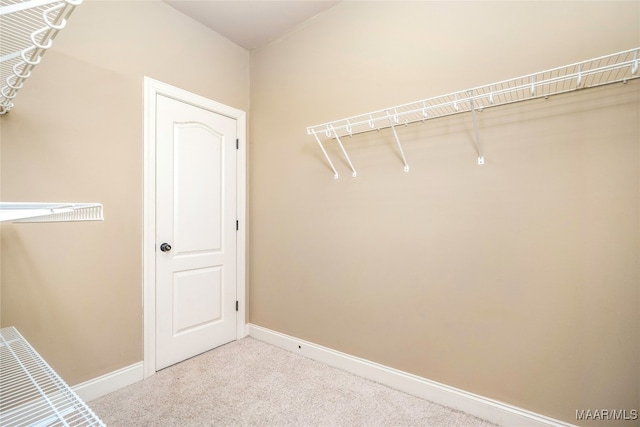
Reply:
x=165, y=247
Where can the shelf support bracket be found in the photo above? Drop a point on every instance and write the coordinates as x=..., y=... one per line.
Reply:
x=346, y=156
x=475, y=130
x=395, y=135
x=326, y=156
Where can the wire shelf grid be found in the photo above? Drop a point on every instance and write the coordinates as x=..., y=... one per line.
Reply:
x=27, y=30
x=32, y=393
x=50, y=212
x=613, y=68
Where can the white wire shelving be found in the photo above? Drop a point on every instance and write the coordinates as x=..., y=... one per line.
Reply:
x=27, y=30
x=613, y=68
x=50, y=212
x=32, y=393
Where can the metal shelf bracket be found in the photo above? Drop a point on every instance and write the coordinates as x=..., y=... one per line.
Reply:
x=475, y=130
x=346, y=156
x=395, y=135
x=326, y=156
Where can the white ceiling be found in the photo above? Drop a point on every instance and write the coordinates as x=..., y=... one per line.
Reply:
x=251, y=24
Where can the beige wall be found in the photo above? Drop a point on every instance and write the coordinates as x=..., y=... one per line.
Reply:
x=75, y=134
x=517, y=280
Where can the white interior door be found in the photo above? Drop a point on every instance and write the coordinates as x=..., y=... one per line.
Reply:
x=195, y=230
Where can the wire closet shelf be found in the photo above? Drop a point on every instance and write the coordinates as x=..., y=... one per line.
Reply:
x=32, y=393
x=50, y=212
x=27, y=30
x=613, y=68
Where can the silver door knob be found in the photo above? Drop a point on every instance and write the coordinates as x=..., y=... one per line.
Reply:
x=165, y=247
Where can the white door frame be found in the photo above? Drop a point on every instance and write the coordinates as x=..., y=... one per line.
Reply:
x=153, y=88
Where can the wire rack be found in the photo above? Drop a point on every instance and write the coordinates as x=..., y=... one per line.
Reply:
x=612, y=68
x=32, y=394
x=27, y=30
x=50, y=212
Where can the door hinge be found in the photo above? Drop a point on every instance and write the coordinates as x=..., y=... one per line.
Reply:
x=237, y=225
x=236, y=305
x=237, y=144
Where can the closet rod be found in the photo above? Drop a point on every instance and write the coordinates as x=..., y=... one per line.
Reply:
x=613, y=68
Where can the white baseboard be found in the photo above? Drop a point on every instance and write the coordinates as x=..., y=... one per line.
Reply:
x=482, y=407
x=120, y=378
x=110, y=382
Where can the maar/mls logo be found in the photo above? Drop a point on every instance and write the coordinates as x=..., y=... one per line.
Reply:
x=606, y=414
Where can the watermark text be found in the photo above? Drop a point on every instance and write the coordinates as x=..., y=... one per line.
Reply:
x=606, y=414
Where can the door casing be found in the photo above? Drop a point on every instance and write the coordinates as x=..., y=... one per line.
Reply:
x=153, y=88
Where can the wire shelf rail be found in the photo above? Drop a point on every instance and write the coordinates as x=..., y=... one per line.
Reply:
x=27, y=30
x=613, y=68
x=32, y=393
x=50, y=212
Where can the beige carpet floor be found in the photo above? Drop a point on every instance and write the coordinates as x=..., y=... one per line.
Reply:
x=251, y=383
